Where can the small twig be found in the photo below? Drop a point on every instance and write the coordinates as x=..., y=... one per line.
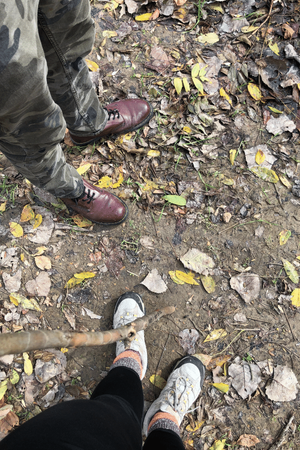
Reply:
x=258, y=320
x=283, y=434
x=278, y=197
x=233, y=340
x=267, y=18
x=177, y=257
x=289, y=324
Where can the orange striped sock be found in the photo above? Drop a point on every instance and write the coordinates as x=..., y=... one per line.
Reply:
x=130, y=359
x=164, y=421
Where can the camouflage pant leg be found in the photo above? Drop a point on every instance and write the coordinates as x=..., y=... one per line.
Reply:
x=31, y=123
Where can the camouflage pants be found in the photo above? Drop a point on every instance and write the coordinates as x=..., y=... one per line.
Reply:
x=44, y=87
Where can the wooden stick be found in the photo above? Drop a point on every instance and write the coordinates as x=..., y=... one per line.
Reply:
x=283, y=435
x=11, y=343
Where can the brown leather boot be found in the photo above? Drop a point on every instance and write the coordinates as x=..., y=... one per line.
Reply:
x=123, y=116
x=98, y=205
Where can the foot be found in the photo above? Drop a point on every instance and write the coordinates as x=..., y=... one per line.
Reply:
x=123, y=116
x=98, y=205
x=182, y=389
x=130, y=307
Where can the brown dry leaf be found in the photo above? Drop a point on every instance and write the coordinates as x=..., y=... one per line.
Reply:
x=218, y=361
x=27, y=214
x=40, y=251
x=40, y=286
x=43, y=262
x=82, y=221
x=288, y=32
x=16, y=229
x=180, y=2
x=155, y=14
x=158, y=381
x=70, y=317
x=248, y=440
x=8, y=422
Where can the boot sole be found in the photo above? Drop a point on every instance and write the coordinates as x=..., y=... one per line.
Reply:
x=137, y=127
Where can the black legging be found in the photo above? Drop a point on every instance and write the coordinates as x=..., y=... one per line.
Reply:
x=111, y=420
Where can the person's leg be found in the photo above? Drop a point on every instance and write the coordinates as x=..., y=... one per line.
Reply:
x=162, y=421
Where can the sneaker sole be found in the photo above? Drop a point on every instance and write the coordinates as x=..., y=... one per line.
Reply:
x=137, y=127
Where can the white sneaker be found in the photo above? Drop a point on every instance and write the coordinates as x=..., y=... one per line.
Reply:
x=182, y=389
x=130, y=307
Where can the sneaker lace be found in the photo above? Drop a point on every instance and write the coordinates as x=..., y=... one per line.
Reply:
x=88, y=194
x=114, y=113
x=177, y=393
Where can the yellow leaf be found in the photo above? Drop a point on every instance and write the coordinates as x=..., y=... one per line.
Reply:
x=274, y=48
x=37, y=221
x=150, y=186
x=119, y=182
x=198, y=85
x=290, y=271
x=248, y=29
x=64, y=350
x=26, y=303
x=186, y=85
x=173, y=277
x=153, y=153
x=104, y=182
x=275, y=110
x=3, y=388
x=72, y=282
x=215, y=334
x=285, y=181
x=205, y=359
x=92, y=65
x=78, y=278
x=14, y=379
x=266, y=174
x=254, y=91
x=28, y=369
x=3, y=207
x=232, y=154
x=228, y=181
x=109, y=33
x=284, y=235
x=195, y=70
x=84, y=275
x=143, y=17
x=218, y=445
x=222, y=387
x=208, y=283
x=43, y=262
x=16, y=229
x=209, y=38
x=224, y=94
x=158, y=381
x=197, y=426
x=188, y=278
x=260, y=157
x=187, y=129
x=27, y=214
x=190, y=442
x=84, y=168
x=111, y=6
x=22, y=257
x=296, y=297
x=40, y=251
x=178, y=85
x=82, y=221
x=216, y=7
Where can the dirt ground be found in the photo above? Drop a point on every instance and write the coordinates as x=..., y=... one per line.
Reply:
x=265, y=328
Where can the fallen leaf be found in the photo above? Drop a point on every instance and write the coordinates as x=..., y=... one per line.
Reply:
x=119, y=182
x=283, y=387
x=156, y=13
x=8, y=422
x=215, y=334
x=208, y=283
x=209, y=38
x=248, y=29
x=278, y=125
x=254, y=91
x=224, y=94
x=85, y=167
x=28, y=369
x=93, y=67
x=26, y=303
x=64, y=350
x=40, y=286
x=37, y=221
x=109, y=34
x=186, y=130
x=174, y=278
x=12, y=283
x=232, y=154
x=43, y=233
x=274, y=48
x=205, y=359
x=245, y=378
x=260, y=157
x=277, y=111
x=43, y=262
x=81, y=221
x=158, y=381
x=3, y=388
x=188, y=339
x=27, y=214
x=195, y=70
x=290, y=271
x=154, y=282
x=153, y=153
x=218, y=445
x=222, y=387
x=104, y=182
x=248, y=440
x=186, y=85
x=70, y=316
x=296, y=297
x=188, y=278
x=288, y=31
x=78, y=278
x=143, y=17
x=84, y=275
x=3, y=206
x=72, y=282
x=178, y=85
x=266, y=174
x=247, y=285
x=196, y=427
x=14, y=378
x=218, y=361
x=16, y=229
x=285, y=181
x=284, y=235
x=198, y=85
x=198, y=262
x=91, y=314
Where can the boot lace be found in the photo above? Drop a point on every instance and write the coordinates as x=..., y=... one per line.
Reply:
x=86, y=193
x=114, y=113
x=178, y=394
